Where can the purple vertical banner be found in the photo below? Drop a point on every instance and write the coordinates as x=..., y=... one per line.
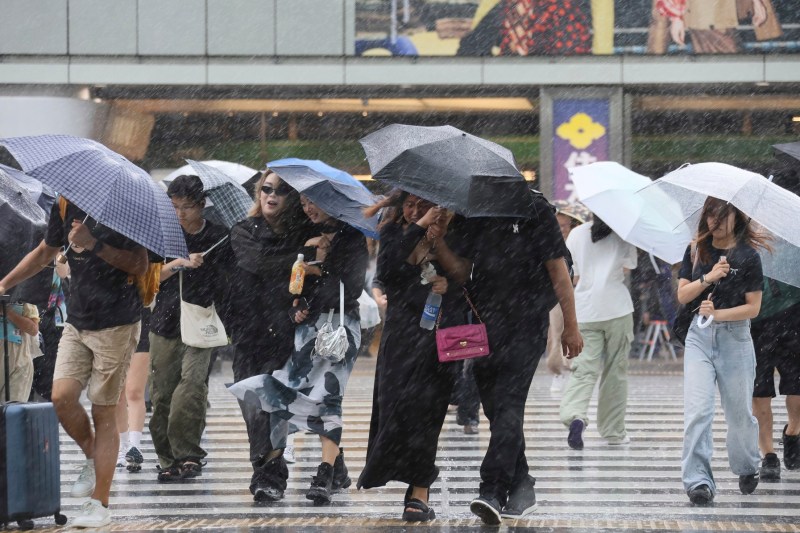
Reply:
x=580, y=137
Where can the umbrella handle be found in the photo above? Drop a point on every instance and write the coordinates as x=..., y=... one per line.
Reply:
x=703, y=322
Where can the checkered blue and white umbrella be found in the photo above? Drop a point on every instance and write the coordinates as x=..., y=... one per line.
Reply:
x=229, y=200
x=108, y=187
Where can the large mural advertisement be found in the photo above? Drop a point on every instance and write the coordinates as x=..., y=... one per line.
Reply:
x=575, y=27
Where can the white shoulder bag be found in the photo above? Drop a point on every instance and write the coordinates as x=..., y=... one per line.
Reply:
x=331, y=345
x=200, y=326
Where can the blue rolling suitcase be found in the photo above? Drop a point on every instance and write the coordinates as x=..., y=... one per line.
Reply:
x=30, y=477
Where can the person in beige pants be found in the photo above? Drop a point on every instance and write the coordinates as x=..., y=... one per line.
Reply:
x=570, y=215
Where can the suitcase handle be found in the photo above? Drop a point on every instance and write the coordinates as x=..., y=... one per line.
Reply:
x=4, y=299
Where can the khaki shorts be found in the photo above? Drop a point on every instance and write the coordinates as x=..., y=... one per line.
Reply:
x=97, y=357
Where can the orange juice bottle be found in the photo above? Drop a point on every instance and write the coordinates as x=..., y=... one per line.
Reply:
x=298, y=274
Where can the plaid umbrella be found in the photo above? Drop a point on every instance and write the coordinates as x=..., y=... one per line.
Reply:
x=240, y=173
x=108, y=187
x=229, y=200
x=335, y=191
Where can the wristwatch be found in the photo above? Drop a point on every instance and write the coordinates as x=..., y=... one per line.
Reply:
x=703, y=280
x=98, y=245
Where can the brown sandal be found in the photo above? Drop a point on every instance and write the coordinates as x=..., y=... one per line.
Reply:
x=169, y=474
x=190, y=469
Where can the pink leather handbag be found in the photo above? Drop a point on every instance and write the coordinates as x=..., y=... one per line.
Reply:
x=462, y=342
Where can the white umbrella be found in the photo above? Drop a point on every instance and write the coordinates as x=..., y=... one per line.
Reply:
x=775, y=210
x=609, y=190
x=238, y=172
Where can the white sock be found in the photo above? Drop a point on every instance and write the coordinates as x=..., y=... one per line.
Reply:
x=123, y=441
x=135, y=439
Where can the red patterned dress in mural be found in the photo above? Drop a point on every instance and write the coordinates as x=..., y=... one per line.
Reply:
x=545, y=27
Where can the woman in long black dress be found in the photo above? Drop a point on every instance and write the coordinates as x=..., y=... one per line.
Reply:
x=412, y=389
x=265, y=244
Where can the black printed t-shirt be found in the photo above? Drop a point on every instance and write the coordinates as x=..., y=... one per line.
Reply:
x=100, y=295
x=745, y=275
x=201, y=286
x=510, y=284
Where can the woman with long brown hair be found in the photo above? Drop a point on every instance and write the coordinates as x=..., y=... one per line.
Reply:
x=720, y=277
x=265, y=244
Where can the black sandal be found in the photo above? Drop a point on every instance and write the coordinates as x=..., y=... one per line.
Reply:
x=422, y=512
x=169, y=474
x=189, y=469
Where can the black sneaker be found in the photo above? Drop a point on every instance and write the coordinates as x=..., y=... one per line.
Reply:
x=575, y=437
x=134, y=459
x=269, y=479
x=521, y=500
x=791, y=450
x=748, y=483
x=771, y=467
x=486, y=508
x=340, y=478
x=321, y=485
x=701, y=495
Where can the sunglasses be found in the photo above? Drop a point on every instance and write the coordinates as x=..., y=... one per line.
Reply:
x=281, y=190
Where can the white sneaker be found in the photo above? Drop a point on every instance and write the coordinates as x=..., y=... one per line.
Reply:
x=618, y=442
x=288, y=455
x=84, y=485
x=93, y=514
x=558, y=383
x=121, y=462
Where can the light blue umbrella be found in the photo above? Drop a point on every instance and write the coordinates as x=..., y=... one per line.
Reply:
x=336, y=192
x=229, y=200
x=108, y=187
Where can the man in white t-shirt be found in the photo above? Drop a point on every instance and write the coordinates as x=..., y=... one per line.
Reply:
x=605, y=318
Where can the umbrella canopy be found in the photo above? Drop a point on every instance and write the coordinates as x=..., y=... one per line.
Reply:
x=773, y=209
x=229, y=200
x=789, y=152
x=41, y=194
x=609, y=189
x=336, y=192
x=108, y=187
x=237, y=171
x=470, y=175
x=22, y=223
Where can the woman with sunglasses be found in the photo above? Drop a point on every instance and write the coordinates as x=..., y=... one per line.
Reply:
x=412, y=389
x=265, y=244
x=720, y=277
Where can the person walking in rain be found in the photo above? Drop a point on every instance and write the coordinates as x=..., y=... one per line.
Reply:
x=412, y=388
x=720, y=277
x=605, y=317
x=265, y=245
x=96, y=346
x=178, y=371
x=519, y=273
x=306, y=394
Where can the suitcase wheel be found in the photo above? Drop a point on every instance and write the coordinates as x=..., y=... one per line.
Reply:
x=25, y=524
x=60, y=519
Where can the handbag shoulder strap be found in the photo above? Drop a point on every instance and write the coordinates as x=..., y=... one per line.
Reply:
x=471, y=305
x=341, y=303
x=180, y=283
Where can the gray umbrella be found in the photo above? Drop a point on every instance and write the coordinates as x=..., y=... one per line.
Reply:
x=459, y=171
x=22, y=223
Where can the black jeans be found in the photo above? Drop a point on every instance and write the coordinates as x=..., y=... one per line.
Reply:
x=503, y=380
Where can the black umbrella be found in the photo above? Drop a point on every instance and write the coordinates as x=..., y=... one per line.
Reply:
x=470, y=175
x=788, y=152
x=22, y=226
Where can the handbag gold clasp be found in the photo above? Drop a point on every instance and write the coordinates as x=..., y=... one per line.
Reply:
x=463, y=343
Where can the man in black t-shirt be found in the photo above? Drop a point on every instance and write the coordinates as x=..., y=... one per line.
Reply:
x=519, y=273
x=100, y=335
x=178, y=388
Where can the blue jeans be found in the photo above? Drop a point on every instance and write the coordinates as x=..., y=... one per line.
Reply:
x=722, y=355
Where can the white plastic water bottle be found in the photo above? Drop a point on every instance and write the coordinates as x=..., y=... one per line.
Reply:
x=431, y=311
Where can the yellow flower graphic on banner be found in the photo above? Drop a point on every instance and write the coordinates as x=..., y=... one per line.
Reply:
x=580, y=131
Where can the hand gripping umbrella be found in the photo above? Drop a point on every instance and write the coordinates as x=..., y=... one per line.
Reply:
x=336, y=192
x=444, y=165
x=105, y=185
